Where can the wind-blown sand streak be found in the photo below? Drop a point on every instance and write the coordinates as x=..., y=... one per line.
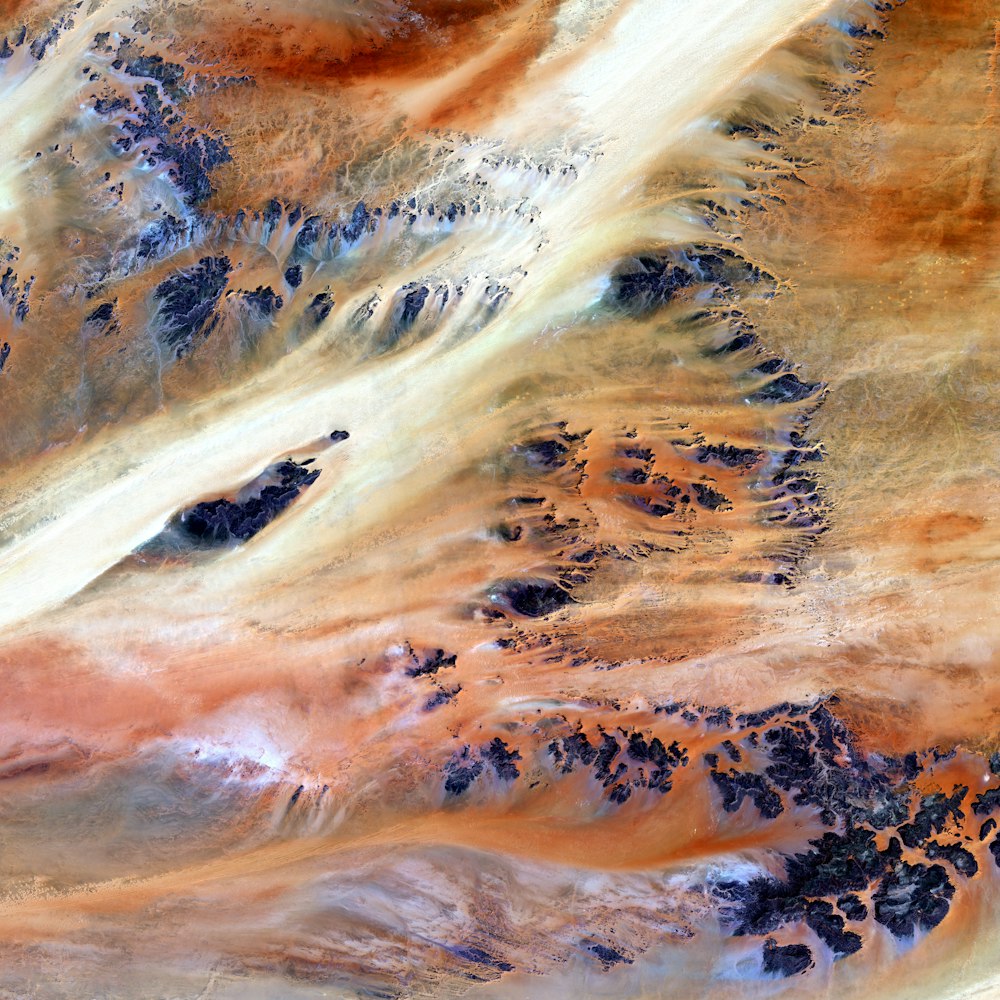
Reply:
x=498, y=499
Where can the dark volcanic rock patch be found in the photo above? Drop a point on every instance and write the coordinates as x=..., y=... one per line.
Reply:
x=891, y=856
x=218, y=522
x=235, y=519
x=187, y=301
x=785, y=960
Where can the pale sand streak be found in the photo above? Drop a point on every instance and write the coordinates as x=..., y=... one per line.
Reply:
x=76, y=525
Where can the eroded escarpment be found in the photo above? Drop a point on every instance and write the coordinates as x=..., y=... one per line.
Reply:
x=896, y=840
x=772, y=839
